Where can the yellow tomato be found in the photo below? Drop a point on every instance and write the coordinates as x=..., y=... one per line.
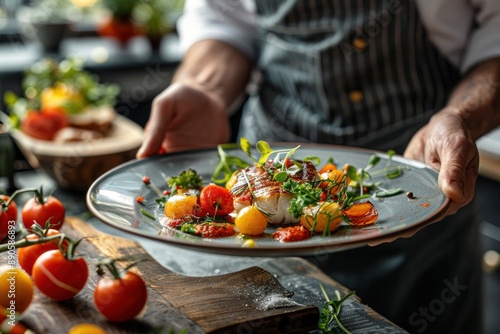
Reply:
x=326, y=215
x=178, y=206
x=335, y=180
x=250, y=221
x=61, y=96
x=16, y=289
x=86, y=329
x=249, y=243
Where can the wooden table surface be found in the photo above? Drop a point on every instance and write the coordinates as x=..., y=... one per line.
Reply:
x=165, y=312
x=171, y=311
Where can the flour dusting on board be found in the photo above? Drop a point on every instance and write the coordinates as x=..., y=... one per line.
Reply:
x=273, y=301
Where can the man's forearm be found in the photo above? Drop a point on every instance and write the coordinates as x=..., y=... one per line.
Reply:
x=476, y=98
x=217, y=66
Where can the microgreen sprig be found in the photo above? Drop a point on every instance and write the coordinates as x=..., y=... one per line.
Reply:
x=265, y=151
x=359, y=176
x=228, y=164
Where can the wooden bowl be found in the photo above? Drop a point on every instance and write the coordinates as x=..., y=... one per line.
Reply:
x=76, y=165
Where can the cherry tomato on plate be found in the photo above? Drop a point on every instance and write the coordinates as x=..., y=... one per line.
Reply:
x=39, y=209
x=251, y=221
x=16, y=289
x=60, y=277
x=27, y=256
x=216, y=200
x=44, y=124
x=120, y=299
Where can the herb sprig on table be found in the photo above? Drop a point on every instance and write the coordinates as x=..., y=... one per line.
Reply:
x=331, y=311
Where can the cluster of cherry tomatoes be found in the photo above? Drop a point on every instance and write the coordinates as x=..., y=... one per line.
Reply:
x=48, y=262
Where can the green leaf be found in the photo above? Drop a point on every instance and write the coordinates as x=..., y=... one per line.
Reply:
x=281, y=176
x=374, y=160
x=246, y=147
x=315, y=160
x=265, y=151
x=352, y=172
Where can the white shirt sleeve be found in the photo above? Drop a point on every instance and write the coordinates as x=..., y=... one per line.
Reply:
x=467, y=32
x=230, y=21
x=484, y=40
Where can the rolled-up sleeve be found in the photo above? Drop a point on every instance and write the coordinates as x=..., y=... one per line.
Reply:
x=484, y=41
x=229, y=21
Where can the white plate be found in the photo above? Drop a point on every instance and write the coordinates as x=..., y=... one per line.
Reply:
x=112, y=199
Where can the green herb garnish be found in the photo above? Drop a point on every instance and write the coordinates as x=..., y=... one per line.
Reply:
x=186, y=180
x=305, y=194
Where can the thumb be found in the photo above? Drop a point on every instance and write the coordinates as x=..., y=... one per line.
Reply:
x=458, y=174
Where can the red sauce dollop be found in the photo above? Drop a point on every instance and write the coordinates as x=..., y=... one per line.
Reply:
x=175, y=223
x=292, y=233
x=219, y=230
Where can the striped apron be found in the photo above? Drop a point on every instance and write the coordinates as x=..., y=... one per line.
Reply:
x=361, y=73
x=364, y=73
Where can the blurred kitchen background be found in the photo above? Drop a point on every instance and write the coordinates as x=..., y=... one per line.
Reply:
x=134, y=44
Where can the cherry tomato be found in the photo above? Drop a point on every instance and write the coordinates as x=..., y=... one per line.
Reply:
x=321, y=217
x=8, y=215
x=11, y=209
x=120, y=299
x=59, y=278
x=16, y=289
x=43, y=124
x=27, y=256
x=4, y=225
x=86, y=329
x=179, y=206
x=251, y=221
x=216, y=200
x=35, y=211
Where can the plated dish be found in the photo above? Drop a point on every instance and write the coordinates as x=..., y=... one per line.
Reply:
x=113, y=199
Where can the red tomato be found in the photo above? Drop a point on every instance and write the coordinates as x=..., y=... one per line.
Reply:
x=43, y=124
x=35, y=211
x=59, y=278
x=8, y=215
x=27, y=256
x=120, y=299
x=4, y=225
x=11, y=209
x=216, y=200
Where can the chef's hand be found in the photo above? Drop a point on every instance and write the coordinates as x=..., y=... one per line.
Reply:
x=446, y=144
x=184, y=117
